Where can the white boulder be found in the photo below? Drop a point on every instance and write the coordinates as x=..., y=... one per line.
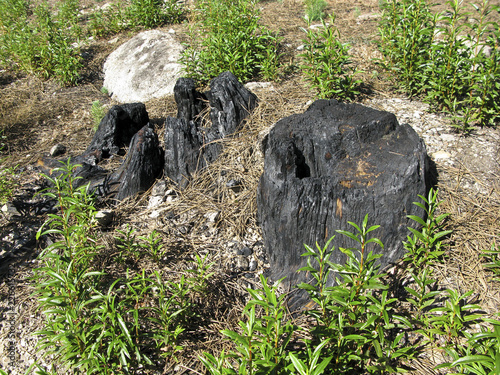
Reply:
x=145, y=67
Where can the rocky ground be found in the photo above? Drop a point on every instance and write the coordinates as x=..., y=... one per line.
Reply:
x=35, y=115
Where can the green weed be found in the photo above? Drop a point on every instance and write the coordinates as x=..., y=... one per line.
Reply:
x=228, y=37
x=315, y=9
x=45, y=44
x=431, y=58
x=7, y=183
x=97, y=112
x=425, y=246
x=153, y=13
x=358, y=327
x=327, y=63
x=493, y=260
x=94, y=324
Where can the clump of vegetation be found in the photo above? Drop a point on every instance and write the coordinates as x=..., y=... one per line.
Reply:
x=42, y=40
x=315, y=9
x=328, y=66
x=450, y=59
x=7, y=183
x=45, y=43
x=97, y=112
x=138, y=14
x=153, y=13
x=228, y=37
x=359, y=327
x=94, y=323
x=7, y=176
x=100, y=324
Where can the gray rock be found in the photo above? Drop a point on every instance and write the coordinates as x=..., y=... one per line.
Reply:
x=245, y=251
x=241, y=263
x=145, y=67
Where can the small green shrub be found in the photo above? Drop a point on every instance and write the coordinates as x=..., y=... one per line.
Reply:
x=356, y=326
x=43, y=44
x=97, y=112
x=431, y=58
x=424, y=247
x=7, y=183
x=327, y=63
x=228, y=37
x=94, y=324
x=108, y=21
x=153, y=13
x=493, y=260
x=315, y=9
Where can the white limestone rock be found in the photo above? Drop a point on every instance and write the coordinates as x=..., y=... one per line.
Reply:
x=145, y=67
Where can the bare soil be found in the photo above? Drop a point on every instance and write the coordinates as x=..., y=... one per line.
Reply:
x=36, y=114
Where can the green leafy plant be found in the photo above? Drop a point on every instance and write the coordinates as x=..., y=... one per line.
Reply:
x=327, y=63
x=107, y=21
x=431, y=58
x=127, y=243
x=42, y=44
x=493, y=260
x=356, y=314
x=356, y=327
x=152, y=244
x=7, y=183
x=200, y=273
x=228, y=37
x=94, y=324
x=153, y=13
x=261, y=345
x=97, y=112
x=425, y=246
x=315, y=9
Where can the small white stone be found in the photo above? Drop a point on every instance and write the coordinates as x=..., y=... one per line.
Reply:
x=441, y=155
x=252, y=266
x=10, y=210
x=447, y=137
x=155, y=201
x=241, y=262
x=212, y=216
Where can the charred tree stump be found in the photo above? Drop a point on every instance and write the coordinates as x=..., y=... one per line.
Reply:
x=116, y=130
x=141, y=167
x=333, y=164
x=190, y=103
x=183, y=141
x=189, y=146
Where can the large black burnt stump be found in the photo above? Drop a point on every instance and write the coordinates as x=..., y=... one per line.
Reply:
x=333, y=164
